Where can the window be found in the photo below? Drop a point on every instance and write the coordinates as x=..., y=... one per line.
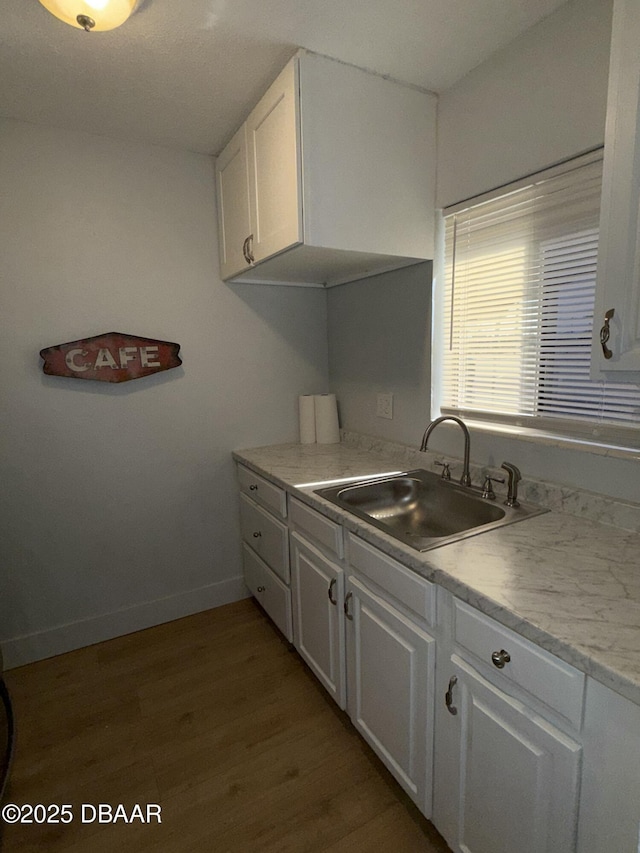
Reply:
x=515, y=313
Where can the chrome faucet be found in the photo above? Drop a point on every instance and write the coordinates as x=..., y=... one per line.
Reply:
x=466, y=477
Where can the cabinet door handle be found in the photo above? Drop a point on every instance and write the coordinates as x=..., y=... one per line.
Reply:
x=245, y=250
x=448, y=696
x=333, y=600
x=253, y=487
x=257, y=534
x=261, y=588
x=605, y=333
x=348, y=597
x=250, y=248
x=500, y=658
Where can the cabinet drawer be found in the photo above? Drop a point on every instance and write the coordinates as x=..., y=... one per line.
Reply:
x=268, y=590
x=266, y=535
x=323, y=530
x=262, y=491
x=410, y=589
x=555, y=683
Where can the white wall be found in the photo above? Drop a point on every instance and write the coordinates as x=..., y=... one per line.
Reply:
x=118, y=501
x=379, y=331
x=538, y=101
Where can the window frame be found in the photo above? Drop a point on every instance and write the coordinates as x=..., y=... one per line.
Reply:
x=579, y=432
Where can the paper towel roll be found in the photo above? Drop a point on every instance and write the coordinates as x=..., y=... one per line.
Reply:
x=307, y=413
x=327, y=430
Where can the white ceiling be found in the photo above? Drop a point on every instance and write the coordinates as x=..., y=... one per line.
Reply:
x=184, y=73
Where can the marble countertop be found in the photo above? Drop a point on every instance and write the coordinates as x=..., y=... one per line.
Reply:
x=568, y=584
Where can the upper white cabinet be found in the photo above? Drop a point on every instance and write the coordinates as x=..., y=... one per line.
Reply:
x=233, y=204
x=618, y=283
x=258, y=180
x=273, y=164
x=330, y=179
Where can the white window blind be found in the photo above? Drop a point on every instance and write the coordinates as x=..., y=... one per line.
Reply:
x=517, y=311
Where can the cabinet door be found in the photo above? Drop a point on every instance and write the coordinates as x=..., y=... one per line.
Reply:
x=232, y=186
x=610, y=793
x=390, y=665
x=506, y=779
x=318, y=596
x=274, y=167
x=618, y=283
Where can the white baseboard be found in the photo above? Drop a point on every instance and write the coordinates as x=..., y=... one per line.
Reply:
x=75, y=635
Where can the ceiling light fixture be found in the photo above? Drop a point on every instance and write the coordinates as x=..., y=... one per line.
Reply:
x=96, y=15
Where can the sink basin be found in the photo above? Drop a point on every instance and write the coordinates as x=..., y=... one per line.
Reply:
x=423, y=510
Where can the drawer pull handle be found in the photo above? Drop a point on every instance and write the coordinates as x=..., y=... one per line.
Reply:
x=500, y=658
x=448, y=696
x=346, y=606
x=257, y=534
x=253, y=487
x=333, y=600
x=261, y=588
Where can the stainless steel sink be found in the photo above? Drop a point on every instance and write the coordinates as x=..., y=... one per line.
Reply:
x=423, y=510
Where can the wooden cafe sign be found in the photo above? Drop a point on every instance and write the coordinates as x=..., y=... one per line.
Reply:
x=111, y=357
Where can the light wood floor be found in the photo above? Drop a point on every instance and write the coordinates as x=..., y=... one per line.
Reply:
x=216, y=719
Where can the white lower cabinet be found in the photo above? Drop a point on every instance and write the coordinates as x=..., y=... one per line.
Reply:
x=507, y=780
x=385, y=674
x=508, y=749
x=265, y=546
x=270, y=592
x=391, y=666
x=494, y=738
x=318, y=598
x=610, y=796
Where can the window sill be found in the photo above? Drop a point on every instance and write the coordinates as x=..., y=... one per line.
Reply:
x=551, y=440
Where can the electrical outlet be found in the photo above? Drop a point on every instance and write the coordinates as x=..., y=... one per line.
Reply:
x=385, y=406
